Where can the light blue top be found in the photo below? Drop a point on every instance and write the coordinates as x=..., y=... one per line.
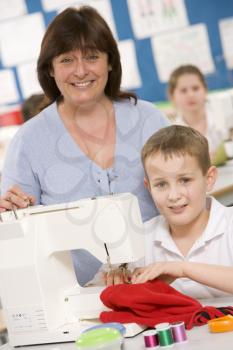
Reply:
x=45, y=161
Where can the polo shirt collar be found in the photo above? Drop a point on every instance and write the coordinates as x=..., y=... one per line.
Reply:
x=216, y=226
x=162, y=236
x=217, y=223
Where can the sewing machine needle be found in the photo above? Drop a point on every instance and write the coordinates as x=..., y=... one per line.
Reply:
x=108, y=258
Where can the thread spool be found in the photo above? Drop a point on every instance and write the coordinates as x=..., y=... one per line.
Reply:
x=151, y=339
x=164, y=334
x=178, y=332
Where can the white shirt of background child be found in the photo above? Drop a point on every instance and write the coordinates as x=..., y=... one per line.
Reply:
x=213, y=134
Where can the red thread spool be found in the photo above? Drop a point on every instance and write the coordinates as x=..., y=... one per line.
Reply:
x=151, y=339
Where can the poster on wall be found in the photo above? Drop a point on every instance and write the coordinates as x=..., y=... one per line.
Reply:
x=53, y=5
x=130, y=73
x=186, y=46
x=149, y=17
x=102, y=6
x=20, y=39
x=9, y=92
x=12, y=8
x=226, y=35
x=28, y=86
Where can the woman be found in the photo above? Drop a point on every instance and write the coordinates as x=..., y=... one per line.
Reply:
x=87, y=142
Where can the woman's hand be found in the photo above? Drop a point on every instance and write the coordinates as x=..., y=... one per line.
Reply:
x=167, y=271
x=15, y=197
x=117, y=276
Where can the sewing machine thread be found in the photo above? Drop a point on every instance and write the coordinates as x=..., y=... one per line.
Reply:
x=151, y=339
x=165, y=334
x=178, y=332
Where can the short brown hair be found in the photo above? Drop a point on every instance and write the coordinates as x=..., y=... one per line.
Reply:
x=178, y=140
x=34, y=105
x=178, y=72
x=81, y=29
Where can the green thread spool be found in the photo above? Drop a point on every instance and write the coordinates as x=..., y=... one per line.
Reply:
x=165, y=334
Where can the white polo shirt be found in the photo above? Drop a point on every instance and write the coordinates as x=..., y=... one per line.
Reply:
x=215, y=246
x=213, y=134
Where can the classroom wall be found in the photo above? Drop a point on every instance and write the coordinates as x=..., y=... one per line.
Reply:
x=153, y=36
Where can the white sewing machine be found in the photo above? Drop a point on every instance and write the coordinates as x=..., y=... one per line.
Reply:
x=41, y=298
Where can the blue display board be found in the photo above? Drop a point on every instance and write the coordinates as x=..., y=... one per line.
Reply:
x=208, y=12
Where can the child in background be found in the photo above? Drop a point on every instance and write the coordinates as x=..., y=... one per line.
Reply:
x=187, y=90
x=33, y=105
x=191, y=242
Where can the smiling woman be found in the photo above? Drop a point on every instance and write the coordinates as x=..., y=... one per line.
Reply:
x=81, y=78
x=87, y=142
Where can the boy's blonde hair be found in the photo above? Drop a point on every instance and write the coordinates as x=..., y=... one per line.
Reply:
x=178, y=140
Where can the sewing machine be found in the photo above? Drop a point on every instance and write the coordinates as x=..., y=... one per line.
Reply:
x=41, y=298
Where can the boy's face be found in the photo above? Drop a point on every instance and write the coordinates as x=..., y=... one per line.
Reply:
x=178, y=187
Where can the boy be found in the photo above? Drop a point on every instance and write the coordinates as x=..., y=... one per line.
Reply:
x=191, y=242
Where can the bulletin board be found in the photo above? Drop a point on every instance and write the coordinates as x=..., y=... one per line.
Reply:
x=153, y=35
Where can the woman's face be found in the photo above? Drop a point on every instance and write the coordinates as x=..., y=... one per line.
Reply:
x=189, y=94
x=81, y=77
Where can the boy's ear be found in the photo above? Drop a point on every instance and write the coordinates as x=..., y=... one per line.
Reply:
x=211, y=177
x=147, y=184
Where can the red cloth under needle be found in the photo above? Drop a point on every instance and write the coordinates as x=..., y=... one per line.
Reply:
x=154, y=302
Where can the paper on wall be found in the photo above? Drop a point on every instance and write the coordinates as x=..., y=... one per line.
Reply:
x=155, y=16
x=53, y=5
x=12, y=8
x=28, y=81
x=226, y=35
x=102, y=6
x=186, y=46
x=20, y=39
x=130, y=73
x=9, y=92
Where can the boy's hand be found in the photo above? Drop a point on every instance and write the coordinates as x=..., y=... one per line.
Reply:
x=117, y=276
x=168, y=271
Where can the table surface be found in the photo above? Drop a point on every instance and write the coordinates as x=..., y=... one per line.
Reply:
x=198, y=338
x=223, y=189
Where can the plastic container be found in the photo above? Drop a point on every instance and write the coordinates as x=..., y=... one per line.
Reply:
x=119, y=326
x=107, y=338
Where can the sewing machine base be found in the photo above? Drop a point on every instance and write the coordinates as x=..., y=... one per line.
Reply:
x=27, y=324
x=64, y=334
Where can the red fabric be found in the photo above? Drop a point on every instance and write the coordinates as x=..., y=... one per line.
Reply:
x=153, y=302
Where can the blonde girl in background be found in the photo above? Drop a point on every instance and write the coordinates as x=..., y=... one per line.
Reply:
x=187, y=90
